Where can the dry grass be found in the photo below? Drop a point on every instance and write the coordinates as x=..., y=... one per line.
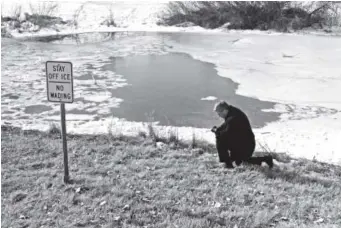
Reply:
x=194, y=142
x=16, y=11
x=45, y=8
x=76, y=15
x=128, y=182
x=54, y=129
x=110, y=21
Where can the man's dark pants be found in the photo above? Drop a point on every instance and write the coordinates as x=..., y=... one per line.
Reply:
x=238, y=152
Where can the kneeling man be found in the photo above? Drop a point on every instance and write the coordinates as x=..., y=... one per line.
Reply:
x=235, y=140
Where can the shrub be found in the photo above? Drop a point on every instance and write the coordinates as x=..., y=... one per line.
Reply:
x=261, y=15
x=110, y=20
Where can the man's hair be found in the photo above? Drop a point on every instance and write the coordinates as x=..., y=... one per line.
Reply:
x=221, y=105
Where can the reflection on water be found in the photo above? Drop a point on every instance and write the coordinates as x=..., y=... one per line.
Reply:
x=83, y=38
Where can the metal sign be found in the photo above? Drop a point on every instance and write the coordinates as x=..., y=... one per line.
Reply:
x=59, y=79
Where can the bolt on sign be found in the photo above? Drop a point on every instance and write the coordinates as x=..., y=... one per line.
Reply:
x=59, y=81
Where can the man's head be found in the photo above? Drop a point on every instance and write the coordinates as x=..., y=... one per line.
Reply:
x=222, y=109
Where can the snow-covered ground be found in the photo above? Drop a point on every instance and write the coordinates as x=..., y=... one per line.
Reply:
x=300, y=72
x=131, y=15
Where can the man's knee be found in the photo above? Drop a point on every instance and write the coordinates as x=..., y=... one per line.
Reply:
x=221, y=144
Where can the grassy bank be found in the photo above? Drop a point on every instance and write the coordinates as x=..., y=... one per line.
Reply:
x=128, y=182
x=281, y=16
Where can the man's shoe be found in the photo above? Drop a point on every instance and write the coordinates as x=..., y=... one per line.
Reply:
x=229, y=165
x=238, y=162
x=269, y=161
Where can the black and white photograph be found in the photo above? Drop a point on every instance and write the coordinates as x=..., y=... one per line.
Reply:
x=170, y=114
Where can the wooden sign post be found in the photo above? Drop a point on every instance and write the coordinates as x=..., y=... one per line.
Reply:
x=59, y=81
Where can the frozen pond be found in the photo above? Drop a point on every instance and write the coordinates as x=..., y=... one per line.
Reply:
x=176, y=88
x=125, y=75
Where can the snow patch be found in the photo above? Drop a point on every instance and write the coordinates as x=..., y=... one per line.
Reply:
x=209, y=98
x=95, y=96
x=243, y=42
x=310, y=138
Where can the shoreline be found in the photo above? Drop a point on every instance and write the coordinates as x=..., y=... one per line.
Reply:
x=171, y=29
x=184, y=135
x=163, y=140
